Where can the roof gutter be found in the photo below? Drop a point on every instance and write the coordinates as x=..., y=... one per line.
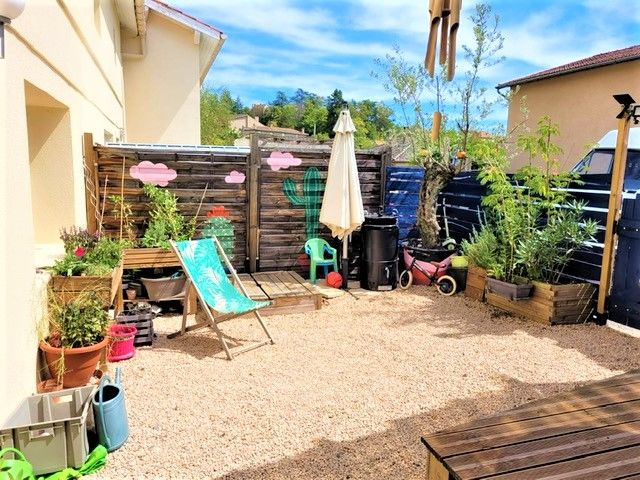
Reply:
x=209, y=49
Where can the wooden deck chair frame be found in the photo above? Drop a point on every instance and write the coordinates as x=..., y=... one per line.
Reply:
x=212, y=317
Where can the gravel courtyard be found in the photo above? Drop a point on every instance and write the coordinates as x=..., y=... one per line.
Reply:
x=347, y=391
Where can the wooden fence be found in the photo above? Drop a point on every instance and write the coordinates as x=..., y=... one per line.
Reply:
x=269, y=229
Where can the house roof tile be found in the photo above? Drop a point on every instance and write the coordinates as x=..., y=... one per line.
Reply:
x=596, y=61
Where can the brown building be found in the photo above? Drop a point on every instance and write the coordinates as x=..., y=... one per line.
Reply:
x=577, y=96
x=248, y=125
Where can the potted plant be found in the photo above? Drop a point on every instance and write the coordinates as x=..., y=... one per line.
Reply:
x=91, y=261
x=165, y=223
x=533, y=226
x=76, y=339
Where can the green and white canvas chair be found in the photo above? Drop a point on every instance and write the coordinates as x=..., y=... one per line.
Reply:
x=220, y=299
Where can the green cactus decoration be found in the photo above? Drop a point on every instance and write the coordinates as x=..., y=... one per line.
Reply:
x=218, y=224
x=312, y=189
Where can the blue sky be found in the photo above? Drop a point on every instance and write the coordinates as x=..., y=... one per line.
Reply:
x=322, y=45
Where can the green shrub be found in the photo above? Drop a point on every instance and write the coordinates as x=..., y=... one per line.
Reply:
x=166, y=223
x=78, y=323
x=98, y=259
x=534, y=228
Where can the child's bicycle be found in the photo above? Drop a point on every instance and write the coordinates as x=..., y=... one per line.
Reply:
x=445, y=284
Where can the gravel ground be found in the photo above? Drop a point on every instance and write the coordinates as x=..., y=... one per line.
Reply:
x=347, y=391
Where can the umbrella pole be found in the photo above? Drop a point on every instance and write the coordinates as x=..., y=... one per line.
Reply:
x=345, y=262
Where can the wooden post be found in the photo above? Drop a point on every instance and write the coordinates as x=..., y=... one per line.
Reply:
x=615, y=203
x=435, y=127
x=253, y=206
x=385, y=161
x=91, y=188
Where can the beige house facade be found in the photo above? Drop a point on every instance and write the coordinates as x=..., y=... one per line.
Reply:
x=578, y=96
x=70, y=67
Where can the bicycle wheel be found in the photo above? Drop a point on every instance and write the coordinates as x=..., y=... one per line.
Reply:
x=446, y=285
x=406, y=279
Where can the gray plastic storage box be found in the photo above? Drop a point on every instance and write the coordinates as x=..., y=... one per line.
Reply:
x=50, y=429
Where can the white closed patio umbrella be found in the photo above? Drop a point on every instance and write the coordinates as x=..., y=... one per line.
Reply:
x=342, y=209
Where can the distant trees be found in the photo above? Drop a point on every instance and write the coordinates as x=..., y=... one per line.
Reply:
x=303, y=110
x=217, y=108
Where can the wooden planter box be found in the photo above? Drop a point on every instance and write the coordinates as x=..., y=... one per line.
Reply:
x=149, y=258
x=68, y=288
x=476, y=283
x=551, y=304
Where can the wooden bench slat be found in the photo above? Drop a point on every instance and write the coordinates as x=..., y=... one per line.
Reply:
x=593, y=397
x=533, y=429
x=542, y=452
x=604, y=466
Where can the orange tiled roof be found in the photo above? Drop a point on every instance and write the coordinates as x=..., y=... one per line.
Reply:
x=599, y=60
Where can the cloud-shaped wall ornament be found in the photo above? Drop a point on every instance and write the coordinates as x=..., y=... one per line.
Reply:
x=235, y=177
x=278, y=160
x=153, y=173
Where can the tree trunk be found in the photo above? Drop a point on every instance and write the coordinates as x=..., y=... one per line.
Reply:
x=434, y=181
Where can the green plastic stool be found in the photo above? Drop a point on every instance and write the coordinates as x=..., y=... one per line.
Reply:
x=316, y=248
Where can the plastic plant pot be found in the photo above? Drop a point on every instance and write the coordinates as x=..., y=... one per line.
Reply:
x=121, y=346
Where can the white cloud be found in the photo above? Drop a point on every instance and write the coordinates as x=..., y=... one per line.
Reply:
x=309, y=28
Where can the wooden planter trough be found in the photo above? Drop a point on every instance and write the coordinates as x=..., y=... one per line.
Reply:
x=476, y=283
x=551, y=304
x=69, y=288
x=149, y=258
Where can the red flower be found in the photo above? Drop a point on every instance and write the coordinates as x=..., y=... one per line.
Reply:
x=218, y=211
x=80, y=252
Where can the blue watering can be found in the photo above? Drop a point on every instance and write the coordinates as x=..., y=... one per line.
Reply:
x=110, y=412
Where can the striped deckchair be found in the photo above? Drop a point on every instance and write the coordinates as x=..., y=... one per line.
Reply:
x=219, y=297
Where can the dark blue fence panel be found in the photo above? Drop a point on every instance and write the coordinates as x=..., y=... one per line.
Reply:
x=461, y=203
x=402, y=191
x=625, y=293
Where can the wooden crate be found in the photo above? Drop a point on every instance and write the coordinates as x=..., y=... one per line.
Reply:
x=149, y=258
x=551, y=304
x=68, y=288
x=476, y=283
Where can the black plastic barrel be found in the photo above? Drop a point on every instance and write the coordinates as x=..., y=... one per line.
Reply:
x=379, y=260
x=459, y=274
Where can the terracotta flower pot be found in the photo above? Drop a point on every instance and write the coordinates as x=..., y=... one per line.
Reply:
x=79, y=363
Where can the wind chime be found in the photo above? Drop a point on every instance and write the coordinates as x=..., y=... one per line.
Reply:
x=445, y=20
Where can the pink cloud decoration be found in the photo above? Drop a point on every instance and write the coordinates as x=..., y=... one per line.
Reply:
x=278, y=160
x=153, y=173
x=235, y=177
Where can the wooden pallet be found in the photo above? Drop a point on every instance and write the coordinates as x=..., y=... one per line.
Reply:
x=590, y=433
x=287, y=291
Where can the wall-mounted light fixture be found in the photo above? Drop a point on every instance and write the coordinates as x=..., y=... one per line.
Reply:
x=9, y=10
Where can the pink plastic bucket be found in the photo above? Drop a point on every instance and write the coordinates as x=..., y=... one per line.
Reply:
x=121, y=345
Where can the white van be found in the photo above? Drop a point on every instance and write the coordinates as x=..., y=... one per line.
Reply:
x=599, y=160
